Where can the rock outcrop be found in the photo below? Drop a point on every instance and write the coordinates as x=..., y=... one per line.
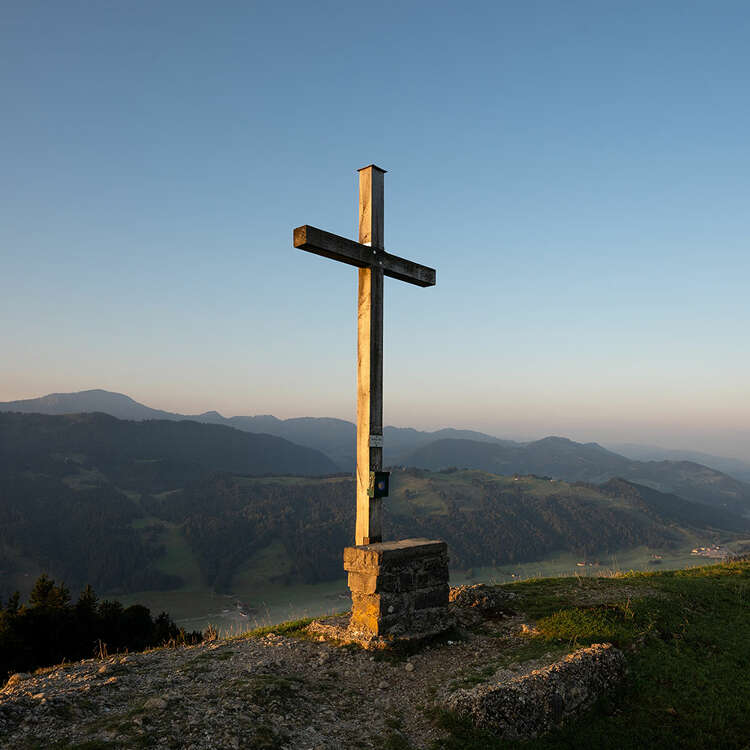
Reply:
x=531, y=704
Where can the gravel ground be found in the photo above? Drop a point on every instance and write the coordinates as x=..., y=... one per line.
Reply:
x=262, y=692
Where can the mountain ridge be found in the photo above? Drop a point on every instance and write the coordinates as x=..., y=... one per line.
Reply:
x=340, y=432
x=565, y=459
x=553, y=455
x=335, y=437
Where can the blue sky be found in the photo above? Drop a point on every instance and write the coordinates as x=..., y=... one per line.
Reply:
x=576, y=172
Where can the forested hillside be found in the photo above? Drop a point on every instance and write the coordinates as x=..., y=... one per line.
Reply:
x=148, y=454
x=72, y=490
x=74, y=519
x=130, y=506
x=486, y=520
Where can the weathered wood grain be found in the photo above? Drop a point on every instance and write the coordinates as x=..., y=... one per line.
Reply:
x=372, y=206
x=333, y=246
x=374, y=263
x=368, y=528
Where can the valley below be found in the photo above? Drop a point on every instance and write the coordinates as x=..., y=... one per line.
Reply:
x=265, y=605
x=216, y=525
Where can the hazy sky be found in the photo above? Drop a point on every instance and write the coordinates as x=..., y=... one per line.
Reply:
x=576, y=172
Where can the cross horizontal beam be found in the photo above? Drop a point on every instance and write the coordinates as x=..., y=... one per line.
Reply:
x=332, y=246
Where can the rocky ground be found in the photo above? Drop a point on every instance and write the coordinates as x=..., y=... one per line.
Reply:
x=270, y=691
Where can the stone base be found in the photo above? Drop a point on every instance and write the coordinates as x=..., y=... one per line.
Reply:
x=399, y=589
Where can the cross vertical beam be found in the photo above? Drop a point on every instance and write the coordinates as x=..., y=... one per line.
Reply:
x=368, y=529
x=373, y=262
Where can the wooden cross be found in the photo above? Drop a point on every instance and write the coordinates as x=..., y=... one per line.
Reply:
x=374, y=262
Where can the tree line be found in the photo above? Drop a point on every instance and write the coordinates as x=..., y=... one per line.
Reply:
x=50, y=628
x=83, y=533
x=226, y=518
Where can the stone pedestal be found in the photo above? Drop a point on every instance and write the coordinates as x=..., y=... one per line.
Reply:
x=399, y=589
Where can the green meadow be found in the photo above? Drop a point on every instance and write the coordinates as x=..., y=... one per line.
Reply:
x=686, y=636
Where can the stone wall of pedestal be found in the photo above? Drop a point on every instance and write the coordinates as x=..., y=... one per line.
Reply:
x=399, y=589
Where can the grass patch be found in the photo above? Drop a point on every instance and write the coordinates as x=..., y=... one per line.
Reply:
x=613, y=623
x=294, y=628
x=533, y=648
x=541, y=597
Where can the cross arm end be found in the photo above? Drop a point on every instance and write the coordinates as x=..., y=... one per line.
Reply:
x=331, y=246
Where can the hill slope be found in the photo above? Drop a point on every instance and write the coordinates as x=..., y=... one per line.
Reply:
x=131, y=506
x=162, y=451
x=72, y=487
x=565, y=459
x=735, y=467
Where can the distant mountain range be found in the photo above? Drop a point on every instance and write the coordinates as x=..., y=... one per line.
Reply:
x=159, y=452
x=555, y=457
x=335, y=437
x=116, y=404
